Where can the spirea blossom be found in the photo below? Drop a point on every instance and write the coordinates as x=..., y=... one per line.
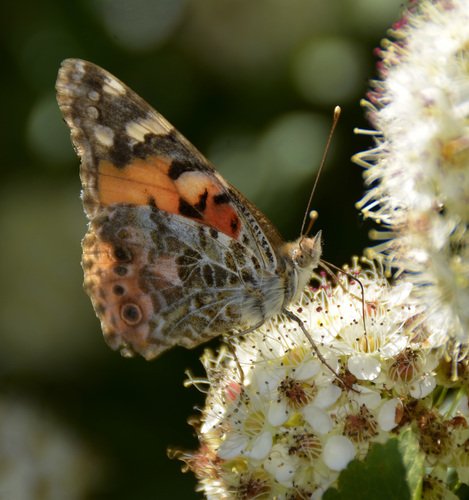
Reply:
x=279, y=423
x=418, y=172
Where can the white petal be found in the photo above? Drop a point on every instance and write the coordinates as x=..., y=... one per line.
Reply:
x=388, y=416
x=233, y=446
x=463, y=406
x=213, y=417
x=281, y=465
x=318, y=493
x=267, y=380
x=338, y=452
x=327, y=396
x=371, y=399
x=395, y=345
x=364, y=367
x=320, y=421
x=284, y=472
x=307, y=370
x=323, y=335
x=261, y=446
x=422, y=387
x=278, y=412
x=398, y=294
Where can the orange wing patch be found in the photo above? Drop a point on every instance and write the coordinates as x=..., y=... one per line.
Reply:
x=141, y=182
x=112, y=282
x=193, y=193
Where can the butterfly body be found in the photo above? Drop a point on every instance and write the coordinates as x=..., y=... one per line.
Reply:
x=174, y=255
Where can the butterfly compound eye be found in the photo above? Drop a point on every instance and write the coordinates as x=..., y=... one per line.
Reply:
x=308, y=251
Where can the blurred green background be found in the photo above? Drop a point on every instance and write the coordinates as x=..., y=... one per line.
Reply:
x=252, y=83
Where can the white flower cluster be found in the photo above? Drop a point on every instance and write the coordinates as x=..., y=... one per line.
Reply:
x=286, y=426
x=418, y=172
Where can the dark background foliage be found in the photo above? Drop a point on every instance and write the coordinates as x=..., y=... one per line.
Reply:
x=253, y=84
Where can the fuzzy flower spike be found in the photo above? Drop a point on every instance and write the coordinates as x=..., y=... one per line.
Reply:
x=418, y=172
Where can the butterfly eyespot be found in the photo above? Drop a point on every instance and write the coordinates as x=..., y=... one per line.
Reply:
x=131, y=314
x=122, y=254
x=123, y=234
x=118, y=290
x=120, y=270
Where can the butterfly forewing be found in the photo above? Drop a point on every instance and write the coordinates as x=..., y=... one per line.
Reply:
x=174, y=254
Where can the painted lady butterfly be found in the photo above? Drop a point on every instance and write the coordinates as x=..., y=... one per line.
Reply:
x=174, y=255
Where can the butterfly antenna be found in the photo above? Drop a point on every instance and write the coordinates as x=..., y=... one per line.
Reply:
x=327, y=267
x=335, y=120
x=313, y=216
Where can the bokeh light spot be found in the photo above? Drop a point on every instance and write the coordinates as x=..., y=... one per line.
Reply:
x=236, y=157
x=46, y=320
x=328, y=71
x=41, y=53
x=291, y=148
x=372, y=17
x=140, y=24
x=287, y=152
x=252, y=40
x=41, y=458
x=47, y=135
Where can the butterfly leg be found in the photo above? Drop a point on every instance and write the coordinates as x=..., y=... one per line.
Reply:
x=323, y=360
x=326, y=266
x=249, y=330
x=229, y=343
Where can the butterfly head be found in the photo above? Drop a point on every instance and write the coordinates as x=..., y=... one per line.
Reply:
x=303, y=256
x=306, y=252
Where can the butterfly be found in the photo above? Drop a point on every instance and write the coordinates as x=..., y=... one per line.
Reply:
x=174, y=255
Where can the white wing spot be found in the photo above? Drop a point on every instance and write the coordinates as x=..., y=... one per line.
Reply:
x=113, y=87
x=79, y=71
x=93, y=95
x=138, y=129
x=104, y=135
x=92, y=112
